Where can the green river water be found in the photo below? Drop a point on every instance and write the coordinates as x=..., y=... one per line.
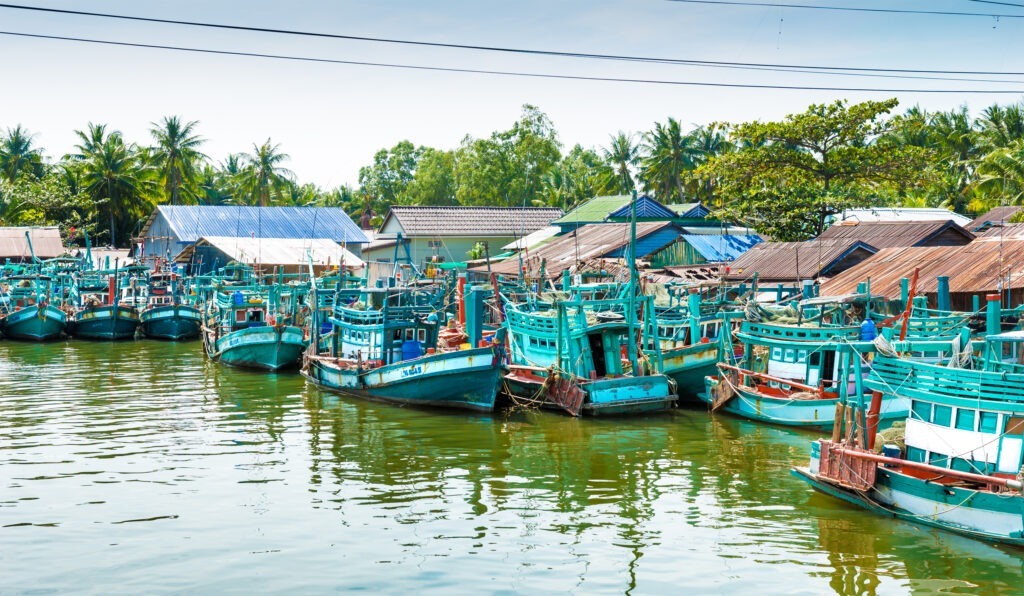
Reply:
x=141, y=467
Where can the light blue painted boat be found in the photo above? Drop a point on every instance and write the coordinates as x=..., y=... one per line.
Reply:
x=167, y=313
x=964, y=441
x=108, y=322
x=245, y=328
x=28, y=313
x=382, y=347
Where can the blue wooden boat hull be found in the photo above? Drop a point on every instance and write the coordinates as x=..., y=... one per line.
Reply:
x=688, y=366
x=171, y=322
x=105, y=323
x=619, y=396
x=978, y=514
x=817, y=414
x=262, y=348
x=34, y=324
x=466, y=379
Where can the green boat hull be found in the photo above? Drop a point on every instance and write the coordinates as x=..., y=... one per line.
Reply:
x=171, y=322
x=261, y=348
x=687, y=367
x=620, y=396
x=108, y=323
x=32, y=324
x=466, y=379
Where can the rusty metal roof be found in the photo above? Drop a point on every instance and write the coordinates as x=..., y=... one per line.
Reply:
x=1007, y=231
x=791, y=261
x=469, y=221
x=997, y=216
x=972, y=268
x=587, y=242
x=885, y=234
x=45, y=241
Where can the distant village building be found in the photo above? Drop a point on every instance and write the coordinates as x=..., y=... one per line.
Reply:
x=985, y=266
x=617, y=209
x=420, y=234
x=793, y=262
x=871, y=214
x=885, y=234
x=993, y=219
x=46, y=243
x=267, y=255
x=172, y=228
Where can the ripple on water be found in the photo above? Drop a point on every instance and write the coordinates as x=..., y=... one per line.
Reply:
x=134, y=466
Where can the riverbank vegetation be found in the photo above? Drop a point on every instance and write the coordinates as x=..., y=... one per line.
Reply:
x=784, y=178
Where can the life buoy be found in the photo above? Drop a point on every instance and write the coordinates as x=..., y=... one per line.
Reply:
x=272, y=320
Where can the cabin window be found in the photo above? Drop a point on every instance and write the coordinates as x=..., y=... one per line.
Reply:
x=965, y=419
x=801, y=356
x=915, y=454
x=776, y=354
x=937, y=459
x=1015, y=426
x=815, y=358
x=790, y=355
x=942, y=415
x=987, y=422
x=240, y=316
x=398, y=334
x=421, y=335
x=409, y=334
x=922, y=410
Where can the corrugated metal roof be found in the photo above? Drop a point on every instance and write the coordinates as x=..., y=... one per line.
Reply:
x=902, y=214
x=690, y=210
x=595, y=210
x=788, y=261
x=45, y=241
x=1013, y=231
x=533, y=239
x=721, y=247
x=971, y=268
x=587, y=242
x=276, y=251
x=997, y=216
x=191, y=222
x=885, y=234
x=470, y=221
x=646, y=207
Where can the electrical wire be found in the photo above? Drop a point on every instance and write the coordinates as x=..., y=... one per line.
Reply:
x=851, y=8
x=522, y=74
x=523, y=51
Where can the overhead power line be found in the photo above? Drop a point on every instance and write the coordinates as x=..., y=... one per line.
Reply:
x=500, y=72
x=998, y=3
x=947, y=13
x=508, y=50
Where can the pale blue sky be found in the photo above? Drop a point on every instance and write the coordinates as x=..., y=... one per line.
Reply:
x=332, y=118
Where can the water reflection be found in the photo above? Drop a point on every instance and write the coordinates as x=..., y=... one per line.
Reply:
x=151, y=446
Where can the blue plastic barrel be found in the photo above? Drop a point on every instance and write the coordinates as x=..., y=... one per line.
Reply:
x=237, y=298
x=411, y=349
x=868, y=331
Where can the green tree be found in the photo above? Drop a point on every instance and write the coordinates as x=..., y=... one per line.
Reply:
x=790, y=176
x=1001, y=126
x=176, y=156
x=114, y=176
x=1001, y=175
x=263, y=176
x=579, y=176
x=622, y=157
x=45, y=201
x=391, y=173
x=18, y=156
x=668, y=155
x=707, y=142
x=434, y=180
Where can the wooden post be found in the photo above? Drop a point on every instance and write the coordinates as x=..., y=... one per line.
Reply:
x=837, y=424
x=872, y=422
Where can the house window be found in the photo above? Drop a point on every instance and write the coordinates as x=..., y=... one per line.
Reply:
x=434, y=243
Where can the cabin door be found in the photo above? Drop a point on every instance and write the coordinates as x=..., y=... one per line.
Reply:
x=597, y=352
x=828, y=366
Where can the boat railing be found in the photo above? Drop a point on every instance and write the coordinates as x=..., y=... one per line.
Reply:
x=749, y=374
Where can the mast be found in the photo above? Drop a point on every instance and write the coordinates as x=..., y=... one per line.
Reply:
x=632, y=289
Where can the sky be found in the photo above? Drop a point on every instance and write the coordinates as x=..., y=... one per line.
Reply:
x=332, y=118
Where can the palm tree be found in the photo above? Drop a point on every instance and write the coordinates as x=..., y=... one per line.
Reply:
x=668, y=155
x=1001, y=126
x=175, y=156
x=17, y=155
x=953, y=136
x=622, y=156
x=1001, y=175
x=113, y=175
x=263, y=174
x=708, y=142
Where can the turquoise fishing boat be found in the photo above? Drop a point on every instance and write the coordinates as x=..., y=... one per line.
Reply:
x=960, y=466
x=107, y=309
x=27, y=309
x=248, y=328
x=169, y=313
x=796, y=372
x=382, y=347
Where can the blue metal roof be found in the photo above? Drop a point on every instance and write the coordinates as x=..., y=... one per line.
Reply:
x=191, y=222
x=649, y=243
x=721, y=247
